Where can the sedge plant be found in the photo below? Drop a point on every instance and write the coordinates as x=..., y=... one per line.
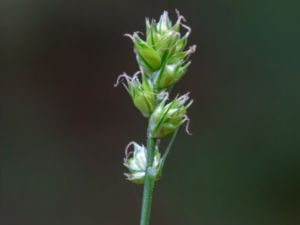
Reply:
x=163, y=59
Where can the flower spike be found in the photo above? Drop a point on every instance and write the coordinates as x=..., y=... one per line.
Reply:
x=163, y=59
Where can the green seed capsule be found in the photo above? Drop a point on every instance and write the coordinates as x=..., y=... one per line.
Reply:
x=168, y=117
x=170, y=74
x=142, y=93
x=144, y=50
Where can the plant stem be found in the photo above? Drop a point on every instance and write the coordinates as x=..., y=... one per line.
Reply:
x=149, y=182
x=167, y=151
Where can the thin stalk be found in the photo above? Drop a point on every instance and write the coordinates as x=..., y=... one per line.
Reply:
x=149, y=182
x=167, y=151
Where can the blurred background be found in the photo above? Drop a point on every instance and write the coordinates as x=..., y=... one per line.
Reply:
x=64, y=127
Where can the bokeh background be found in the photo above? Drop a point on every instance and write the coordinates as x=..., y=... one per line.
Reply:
x=64, y=127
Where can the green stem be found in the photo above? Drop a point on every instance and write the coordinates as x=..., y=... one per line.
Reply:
x=167, y=151
x=149, y=182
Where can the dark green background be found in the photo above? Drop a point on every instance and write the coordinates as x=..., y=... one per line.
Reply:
x=64, y=127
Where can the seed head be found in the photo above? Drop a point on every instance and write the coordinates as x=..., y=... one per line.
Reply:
x=168, y=117
x=136, y=162
x=141, y=92
x=161, y=56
